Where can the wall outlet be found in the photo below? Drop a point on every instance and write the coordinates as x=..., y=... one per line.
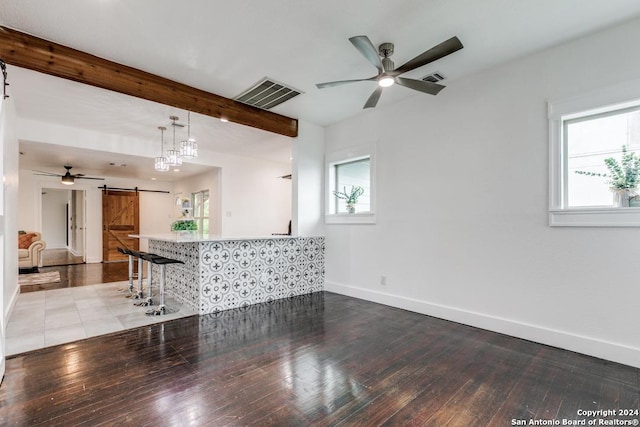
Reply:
x=383, y=280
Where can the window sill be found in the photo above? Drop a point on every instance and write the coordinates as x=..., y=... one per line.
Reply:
x=595, y=217
x=346, y=218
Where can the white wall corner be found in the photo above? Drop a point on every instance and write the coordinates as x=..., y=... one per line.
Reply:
x=579, y=343
x=307, y=173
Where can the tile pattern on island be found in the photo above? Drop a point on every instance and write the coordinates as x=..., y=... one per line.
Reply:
x=218, y=276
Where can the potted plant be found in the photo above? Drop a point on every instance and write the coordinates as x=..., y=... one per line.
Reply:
x=184, y=223
x=351, y=198
x=623, y=177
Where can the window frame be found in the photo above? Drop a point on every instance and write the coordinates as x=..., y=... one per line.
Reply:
x=603, y=100
x=343, y=156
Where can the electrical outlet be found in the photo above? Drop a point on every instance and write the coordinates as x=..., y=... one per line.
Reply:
x=383, y=280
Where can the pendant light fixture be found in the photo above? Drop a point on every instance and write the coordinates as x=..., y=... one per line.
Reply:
x=173, y=155
x=161, y=164
x=189, y=147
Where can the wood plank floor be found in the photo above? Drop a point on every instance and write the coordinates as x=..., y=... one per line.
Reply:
x=83, y=274
x=322, y=359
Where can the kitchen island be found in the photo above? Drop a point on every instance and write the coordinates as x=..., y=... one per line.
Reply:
x=220, y=273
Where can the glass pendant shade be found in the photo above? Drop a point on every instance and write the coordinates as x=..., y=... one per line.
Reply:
x=173, y=157
x=161, y=161
x=161, y=164
x=189, y=149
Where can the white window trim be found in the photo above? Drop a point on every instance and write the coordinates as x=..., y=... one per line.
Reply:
x=600, y=100
x=342, y=156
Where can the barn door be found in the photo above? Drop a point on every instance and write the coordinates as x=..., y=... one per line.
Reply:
x=120, y=218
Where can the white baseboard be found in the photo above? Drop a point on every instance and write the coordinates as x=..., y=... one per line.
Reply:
x=12, y=304
x=581, y=344
x=93, y=260
x=56, y=246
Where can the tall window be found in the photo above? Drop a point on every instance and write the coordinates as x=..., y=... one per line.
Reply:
x=200, y=203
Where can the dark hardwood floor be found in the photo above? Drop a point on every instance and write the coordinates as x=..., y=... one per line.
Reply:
x=322, y=359
x=83, y=274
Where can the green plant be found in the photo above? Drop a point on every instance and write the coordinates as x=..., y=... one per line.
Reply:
x=622, y=176
x=184, y=225
x=351, y=197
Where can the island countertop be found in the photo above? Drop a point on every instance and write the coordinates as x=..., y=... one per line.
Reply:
x=197, y=237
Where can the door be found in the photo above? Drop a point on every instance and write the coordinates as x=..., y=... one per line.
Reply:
x=120, y=218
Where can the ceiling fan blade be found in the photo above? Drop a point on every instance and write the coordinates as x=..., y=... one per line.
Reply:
x=341, y=82
x=87, y=177
x=373, y=99
x=366, y=48
x=439, y=51
x=421, y=85
x=43, y=173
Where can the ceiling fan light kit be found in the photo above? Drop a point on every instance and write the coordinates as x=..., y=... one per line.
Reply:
x=388, y=74
x=68, y=180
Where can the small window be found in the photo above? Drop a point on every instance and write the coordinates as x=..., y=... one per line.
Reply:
x=350, y=186
x=594, y=146
x=200, y=201
x=590, y=141
x=349, y=177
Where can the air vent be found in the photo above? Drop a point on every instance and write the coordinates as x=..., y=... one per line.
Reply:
x=267, y=93
x=434, y=77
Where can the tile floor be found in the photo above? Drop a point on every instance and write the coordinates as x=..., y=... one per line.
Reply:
x=46, y=318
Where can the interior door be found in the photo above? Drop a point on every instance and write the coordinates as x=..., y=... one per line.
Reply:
x=120, y=218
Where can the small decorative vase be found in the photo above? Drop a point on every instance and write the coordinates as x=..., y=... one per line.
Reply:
x=621, y=198
x=351, y=208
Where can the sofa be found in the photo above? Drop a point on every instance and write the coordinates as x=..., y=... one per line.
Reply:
x=30, y=247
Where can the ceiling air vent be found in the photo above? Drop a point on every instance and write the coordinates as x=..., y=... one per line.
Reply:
x=267, y=93
x=434, y=77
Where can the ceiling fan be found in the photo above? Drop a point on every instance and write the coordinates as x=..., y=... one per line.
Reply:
x=68, y=178
x=388, y=74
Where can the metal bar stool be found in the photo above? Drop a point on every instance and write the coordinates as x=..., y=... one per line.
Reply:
x=149, y=257
x=162, y=262
x=132, y=275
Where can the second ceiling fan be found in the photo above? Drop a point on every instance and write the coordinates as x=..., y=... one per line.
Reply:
x=388, y=74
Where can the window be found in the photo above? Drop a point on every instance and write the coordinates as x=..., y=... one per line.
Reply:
x=200, y=203
x=589, y=141
x=584, y=131
x=347, y=170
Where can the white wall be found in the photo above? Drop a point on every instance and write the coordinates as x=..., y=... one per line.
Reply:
x=8, y=217
x=462, y=228
x=54, y=223
x=308, y=179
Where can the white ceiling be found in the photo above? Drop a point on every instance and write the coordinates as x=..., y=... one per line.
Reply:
x=226, y=47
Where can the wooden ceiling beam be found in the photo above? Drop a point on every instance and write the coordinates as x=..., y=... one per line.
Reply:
x=26, y=51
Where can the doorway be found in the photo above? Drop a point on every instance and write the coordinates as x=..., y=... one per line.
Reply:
x=63, y=226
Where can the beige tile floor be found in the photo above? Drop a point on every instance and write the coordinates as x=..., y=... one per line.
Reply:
x=46, y=318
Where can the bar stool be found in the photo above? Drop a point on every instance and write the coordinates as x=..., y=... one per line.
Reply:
x=149, y=257
x=162, y=262
x=132, y=275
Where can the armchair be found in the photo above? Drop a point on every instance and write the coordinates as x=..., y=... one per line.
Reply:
x=30, y=247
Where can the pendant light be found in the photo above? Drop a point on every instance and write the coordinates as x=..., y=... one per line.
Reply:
x=189, y=147
x=173, y=155
x=161, y=164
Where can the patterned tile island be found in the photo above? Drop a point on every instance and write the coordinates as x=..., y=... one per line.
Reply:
x=220, y=273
